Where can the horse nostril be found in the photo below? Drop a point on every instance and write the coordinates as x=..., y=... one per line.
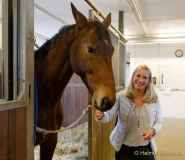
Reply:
x=106, y=104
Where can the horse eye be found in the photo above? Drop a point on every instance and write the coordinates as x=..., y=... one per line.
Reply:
x=91, y=50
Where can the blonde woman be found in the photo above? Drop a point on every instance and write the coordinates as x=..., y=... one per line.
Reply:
x=139, y=118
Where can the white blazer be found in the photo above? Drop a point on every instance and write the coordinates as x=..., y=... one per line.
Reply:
x=122, y=108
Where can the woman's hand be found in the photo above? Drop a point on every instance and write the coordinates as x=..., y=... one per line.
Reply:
x=98, y=114
x=148, y=133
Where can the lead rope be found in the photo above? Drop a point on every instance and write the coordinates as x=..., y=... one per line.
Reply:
x=45, y=131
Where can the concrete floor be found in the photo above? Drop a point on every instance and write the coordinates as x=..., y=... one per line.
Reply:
x=171, y=140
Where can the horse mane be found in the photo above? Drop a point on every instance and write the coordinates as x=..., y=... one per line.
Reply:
x=64, y=34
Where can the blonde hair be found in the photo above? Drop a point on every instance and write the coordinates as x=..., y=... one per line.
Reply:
x=150, y=95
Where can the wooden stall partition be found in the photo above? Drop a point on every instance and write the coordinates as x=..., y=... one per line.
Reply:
x=13, y=134
x=99, y=144
x=4, y=135
x=75, y=100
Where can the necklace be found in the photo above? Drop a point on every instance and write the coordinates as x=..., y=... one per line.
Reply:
x=137, y=116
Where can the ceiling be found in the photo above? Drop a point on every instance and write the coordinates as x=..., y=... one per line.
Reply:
x=144, y=20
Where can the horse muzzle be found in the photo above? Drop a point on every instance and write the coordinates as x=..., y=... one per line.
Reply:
x=104, y=104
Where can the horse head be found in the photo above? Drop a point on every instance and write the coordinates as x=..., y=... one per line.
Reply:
x=91, y=58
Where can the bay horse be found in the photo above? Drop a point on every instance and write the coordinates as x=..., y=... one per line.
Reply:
x=83, y=48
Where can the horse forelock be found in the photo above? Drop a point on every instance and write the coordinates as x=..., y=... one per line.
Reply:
x=101, y=30
x=64, y=35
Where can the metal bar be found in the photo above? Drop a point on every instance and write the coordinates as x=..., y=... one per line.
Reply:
x=22, y=52
x=121, y=21
x=10, y=49
x=41, y=36
x=76, y=85
x=5, y=49
x=36, y=46
x=15, y=48
x=2, y=50
x=49, y=13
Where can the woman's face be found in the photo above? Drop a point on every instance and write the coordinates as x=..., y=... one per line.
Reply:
x=141, y=80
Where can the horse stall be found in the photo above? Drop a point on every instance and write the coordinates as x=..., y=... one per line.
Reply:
x=76, y=98
x=16, y=82
x=17, y=97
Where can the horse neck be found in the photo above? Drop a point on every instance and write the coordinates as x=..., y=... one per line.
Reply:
x=51, y=85
x=53, y=71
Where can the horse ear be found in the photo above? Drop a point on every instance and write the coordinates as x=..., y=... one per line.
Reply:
x=107, y=20
x=78, y=16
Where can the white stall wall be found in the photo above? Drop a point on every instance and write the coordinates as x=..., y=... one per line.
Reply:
x=169, y=71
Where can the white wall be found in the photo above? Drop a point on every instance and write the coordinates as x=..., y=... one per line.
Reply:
x=169, y=71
